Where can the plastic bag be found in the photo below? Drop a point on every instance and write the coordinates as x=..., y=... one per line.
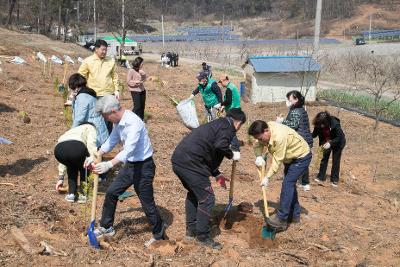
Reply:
x=68, y=59
x=18, y=60
x=41, y=57
x=187, y=111
x=56, y=59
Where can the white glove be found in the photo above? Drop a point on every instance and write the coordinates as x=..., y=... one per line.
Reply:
x=217, y=106
x=265, y=181
x=88, y=161
x=103, y=167
x=327, y=145
x=260, y=161
x=236, y=155
x=279, y=119
x=191, y=96
x=116, y=94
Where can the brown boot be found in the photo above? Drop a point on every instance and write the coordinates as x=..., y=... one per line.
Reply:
x=278, y=224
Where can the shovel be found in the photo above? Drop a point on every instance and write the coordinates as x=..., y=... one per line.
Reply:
x=266, y=231
x=92, y=237
x=230, y=202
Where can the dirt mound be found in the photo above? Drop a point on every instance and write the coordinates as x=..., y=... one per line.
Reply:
x=242, y=223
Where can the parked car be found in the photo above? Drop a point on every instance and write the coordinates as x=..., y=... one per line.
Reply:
x=360, y=41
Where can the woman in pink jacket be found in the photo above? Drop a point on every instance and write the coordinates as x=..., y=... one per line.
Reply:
x=135, y=79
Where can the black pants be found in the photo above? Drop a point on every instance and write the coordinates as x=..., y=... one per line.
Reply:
x=140, y=175
x=200, y=200
x=139, y=101
x=336, y=156
x=72, y=154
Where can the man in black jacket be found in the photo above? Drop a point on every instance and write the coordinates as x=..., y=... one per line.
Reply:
x=195, y=159
x=332, y=139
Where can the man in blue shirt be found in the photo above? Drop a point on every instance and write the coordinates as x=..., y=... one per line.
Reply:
x=138, y=169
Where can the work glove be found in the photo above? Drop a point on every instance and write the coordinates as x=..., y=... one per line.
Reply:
x=236, y=155
x=88, y=162
x=327, y=145
x=59, y=184
x=260, y=161
x=116, y=94
x=217, y=106
x=191, y=96
x=265, y=181
x=221, y=180
x=103, y=167
x=279, y=119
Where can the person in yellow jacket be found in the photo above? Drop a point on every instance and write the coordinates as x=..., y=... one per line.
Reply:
x=285, y=146
x=100, y=71
x=72, y=150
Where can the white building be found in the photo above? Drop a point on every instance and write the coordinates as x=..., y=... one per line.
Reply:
x=269, y=78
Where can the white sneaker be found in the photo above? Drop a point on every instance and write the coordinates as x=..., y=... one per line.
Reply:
x=306, y=187
x=70, y=198
x=101, y=231
x=318, y=180
x=334, y=184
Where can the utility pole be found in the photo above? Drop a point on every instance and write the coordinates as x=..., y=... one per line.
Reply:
x=94, y=20
x=370, y=27
x=317, y=27
x=123, y=29
x=162, y=29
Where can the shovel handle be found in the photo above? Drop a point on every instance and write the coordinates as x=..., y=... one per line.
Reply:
x=97, y=159
x=261, y=174
x=231, y=184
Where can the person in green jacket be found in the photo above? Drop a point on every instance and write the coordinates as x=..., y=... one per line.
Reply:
x=232, y=96
x=211, y=94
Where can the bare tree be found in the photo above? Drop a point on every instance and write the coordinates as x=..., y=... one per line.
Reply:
x=380, y=78
x=10, y=11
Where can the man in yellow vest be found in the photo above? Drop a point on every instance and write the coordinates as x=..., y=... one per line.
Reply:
x=285, y=146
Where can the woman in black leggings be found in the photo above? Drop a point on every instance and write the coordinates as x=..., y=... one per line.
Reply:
x=72, y=149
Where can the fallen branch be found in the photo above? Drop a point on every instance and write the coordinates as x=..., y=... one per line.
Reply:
x=321, y=247
x=10, y=184
x=297, y=258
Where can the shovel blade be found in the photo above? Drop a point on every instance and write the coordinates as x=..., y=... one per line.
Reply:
x=268, y=232
x=92, y=237
x=228, y=207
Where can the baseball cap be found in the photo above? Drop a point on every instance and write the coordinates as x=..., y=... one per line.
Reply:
x=202, y=75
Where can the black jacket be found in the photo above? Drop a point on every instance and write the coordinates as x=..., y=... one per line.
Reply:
x=337, y=137
x=203, y=150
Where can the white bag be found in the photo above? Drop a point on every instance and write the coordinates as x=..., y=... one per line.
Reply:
x=187, y=111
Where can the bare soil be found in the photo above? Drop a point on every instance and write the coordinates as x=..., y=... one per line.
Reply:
x=356, y=223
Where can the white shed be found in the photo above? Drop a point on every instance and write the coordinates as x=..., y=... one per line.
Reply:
x=269, y=78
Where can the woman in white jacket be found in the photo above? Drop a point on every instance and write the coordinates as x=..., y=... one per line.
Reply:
x=73, y=147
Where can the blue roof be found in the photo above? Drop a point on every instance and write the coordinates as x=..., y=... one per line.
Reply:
x=284, y=64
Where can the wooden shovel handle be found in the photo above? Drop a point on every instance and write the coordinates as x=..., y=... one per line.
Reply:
x=97, y=159
x=261, y=174
x=232, y=179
